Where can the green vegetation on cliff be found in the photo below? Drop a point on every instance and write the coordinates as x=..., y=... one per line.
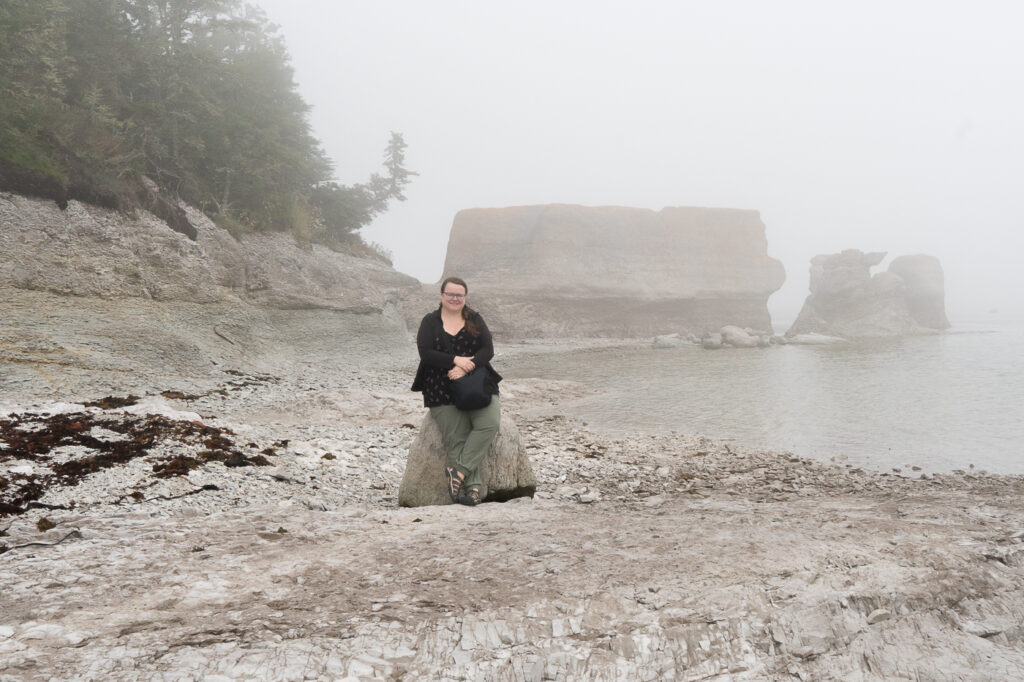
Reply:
x=198, y=96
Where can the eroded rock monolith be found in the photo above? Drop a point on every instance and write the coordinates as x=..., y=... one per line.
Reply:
x=847, y=301
x=563, y=270
x=505, y=471
x=86, y=250
x=925, y=289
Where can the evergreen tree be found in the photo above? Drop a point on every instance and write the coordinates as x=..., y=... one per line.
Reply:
x=196, y=95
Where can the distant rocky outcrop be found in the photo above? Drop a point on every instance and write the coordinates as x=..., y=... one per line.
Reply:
x=732, y=336
x=847, y=301
x=86, y=250
x=562, y=270
x=925, y=291
x=505, y=471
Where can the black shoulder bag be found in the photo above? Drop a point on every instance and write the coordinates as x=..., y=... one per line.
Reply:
x=469, y=392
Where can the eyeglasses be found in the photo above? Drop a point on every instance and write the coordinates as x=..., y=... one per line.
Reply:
x=451, y=295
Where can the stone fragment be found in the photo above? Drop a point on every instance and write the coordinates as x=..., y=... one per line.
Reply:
x=558, y=627
x=667, y=341
x=55, y=635
x=985, y=630
x=813, y=339
x=878, y=615
x=505, y=471
x=365, y=665
x=738, y=338
x=712, y=341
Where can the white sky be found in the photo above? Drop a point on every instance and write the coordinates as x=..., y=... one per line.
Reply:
x=884, y=126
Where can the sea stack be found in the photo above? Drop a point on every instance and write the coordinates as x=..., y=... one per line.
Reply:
x=565, y=270
x=847, y=301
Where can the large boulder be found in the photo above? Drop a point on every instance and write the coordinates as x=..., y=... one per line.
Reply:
x=847, y=301
x=739, y=338
x=563, y=270
x=505, y=471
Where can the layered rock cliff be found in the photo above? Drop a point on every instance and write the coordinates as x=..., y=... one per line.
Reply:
x=85, y=250
x=847, y=301
x=135, y=304
x=558, y=269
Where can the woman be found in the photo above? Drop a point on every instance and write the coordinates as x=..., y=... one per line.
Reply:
x=454, y=341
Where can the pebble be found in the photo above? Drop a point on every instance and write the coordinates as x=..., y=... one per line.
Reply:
x=878, y=616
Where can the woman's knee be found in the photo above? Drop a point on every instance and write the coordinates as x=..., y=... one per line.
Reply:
x=488, y=415
x=487, y=428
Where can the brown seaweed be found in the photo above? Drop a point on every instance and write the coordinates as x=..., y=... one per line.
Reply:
x=179, y=395
x=113, y=402
x=244, y=380
x=33, y=437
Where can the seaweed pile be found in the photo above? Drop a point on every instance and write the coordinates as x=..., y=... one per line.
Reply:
x=64, y=449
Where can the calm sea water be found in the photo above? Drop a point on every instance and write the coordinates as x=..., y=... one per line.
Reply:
x=938, y=402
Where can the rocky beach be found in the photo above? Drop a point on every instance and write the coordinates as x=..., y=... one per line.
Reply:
x=276, y=550
x=199, y=472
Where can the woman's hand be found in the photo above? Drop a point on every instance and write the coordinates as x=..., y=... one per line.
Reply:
x=465, y=364
x=456, y=373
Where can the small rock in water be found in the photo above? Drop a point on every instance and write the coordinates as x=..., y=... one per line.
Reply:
x=667, y=341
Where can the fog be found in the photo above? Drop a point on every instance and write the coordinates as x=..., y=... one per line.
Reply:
x=882, y=126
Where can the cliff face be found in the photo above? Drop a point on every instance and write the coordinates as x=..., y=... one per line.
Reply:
x=614, y=271
x=133, y=305
x=89, y=251
x=847, y=301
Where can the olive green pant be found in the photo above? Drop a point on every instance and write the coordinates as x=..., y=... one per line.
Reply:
x=467, y=437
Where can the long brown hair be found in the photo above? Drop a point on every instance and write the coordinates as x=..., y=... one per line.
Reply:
x=466, y=310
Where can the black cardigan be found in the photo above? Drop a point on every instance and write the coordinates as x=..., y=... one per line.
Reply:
x=431, y=355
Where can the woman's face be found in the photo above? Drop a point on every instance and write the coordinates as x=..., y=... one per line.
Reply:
x=453, y=298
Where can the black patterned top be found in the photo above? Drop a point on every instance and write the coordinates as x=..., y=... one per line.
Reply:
x=436, y=383
x=438, y=349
